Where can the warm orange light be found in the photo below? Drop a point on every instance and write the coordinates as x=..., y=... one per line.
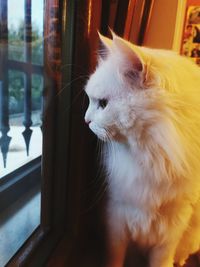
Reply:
x=89, y=16
x=131, y=8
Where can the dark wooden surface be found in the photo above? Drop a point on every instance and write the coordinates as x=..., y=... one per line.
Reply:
x=88, y=255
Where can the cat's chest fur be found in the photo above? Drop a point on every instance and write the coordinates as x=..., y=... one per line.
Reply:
x=129, y=179
x=133, y=198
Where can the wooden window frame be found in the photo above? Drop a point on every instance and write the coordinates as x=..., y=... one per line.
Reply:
x=56, y=133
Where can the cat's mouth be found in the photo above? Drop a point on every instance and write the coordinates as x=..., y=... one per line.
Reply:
x=105, y=134
x=100, y=132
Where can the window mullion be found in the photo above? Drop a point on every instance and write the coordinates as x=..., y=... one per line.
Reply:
x=27, y=133
x=4, y=94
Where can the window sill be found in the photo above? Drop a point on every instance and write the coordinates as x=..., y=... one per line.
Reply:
x=17, y=183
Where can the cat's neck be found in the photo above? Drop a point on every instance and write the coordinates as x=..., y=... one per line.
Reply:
x=121, y=153
x=130, y=146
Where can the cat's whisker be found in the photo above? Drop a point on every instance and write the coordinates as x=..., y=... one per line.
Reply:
x=99, y=175
x=96, y=182
x=70, y=83
x=102, y=191
x=111, y=147
x=69, y=65
x=74, y=100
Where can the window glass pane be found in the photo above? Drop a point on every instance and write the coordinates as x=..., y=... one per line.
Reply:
x=16, y=93
x=17, y=153
x=37, y=32
x=21, y=87
x=18, y=222
x=16, y=30
x=37, y=88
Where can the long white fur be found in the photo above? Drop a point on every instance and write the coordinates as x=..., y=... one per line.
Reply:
x=150, y=128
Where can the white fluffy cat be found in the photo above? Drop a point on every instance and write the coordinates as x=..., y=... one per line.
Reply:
x=145, y=106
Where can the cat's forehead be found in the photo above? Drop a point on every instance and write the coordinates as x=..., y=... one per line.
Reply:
x=104, y=82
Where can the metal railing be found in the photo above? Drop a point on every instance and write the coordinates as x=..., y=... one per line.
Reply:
x=27, y=67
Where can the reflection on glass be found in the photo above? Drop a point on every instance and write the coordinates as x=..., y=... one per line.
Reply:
x=37, y=88
x=21, y=86
x=16, y=93
x=37, y=32
x=17, y=223
x=16, y=16
x=17, y=153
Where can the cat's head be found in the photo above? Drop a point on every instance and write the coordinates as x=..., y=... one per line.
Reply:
x=118, y=90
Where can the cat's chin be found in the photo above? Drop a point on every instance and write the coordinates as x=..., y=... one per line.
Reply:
x=106, y=135
x=101, y=133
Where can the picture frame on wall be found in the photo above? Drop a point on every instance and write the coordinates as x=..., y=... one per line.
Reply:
x=191, y=33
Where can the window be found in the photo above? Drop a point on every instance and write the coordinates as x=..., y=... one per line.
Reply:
x=21, y=87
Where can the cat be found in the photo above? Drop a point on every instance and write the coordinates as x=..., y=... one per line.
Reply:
x=144, y=104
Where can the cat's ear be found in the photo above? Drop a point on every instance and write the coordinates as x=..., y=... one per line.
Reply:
x=105, y=46
x=127, y=54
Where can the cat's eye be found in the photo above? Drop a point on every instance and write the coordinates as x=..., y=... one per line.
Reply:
x=103, y=103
